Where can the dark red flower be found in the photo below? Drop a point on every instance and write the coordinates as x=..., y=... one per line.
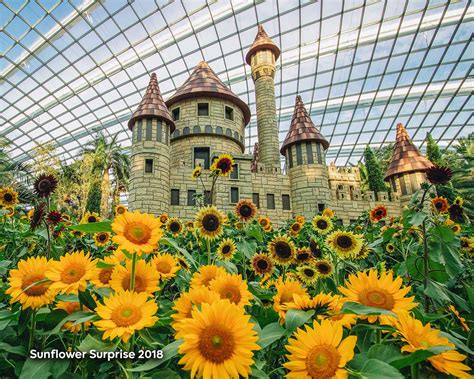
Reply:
x=54, y=217
x=45, y=185
x=38, y=216
x=456, y=213
x=439, y=174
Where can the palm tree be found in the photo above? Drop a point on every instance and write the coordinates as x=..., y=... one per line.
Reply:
x=463, y=172
x=109, y=159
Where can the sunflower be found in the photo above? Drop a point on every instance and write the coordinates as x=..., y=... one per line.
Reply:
x=334, y=313
x=218, y=341
x=390, y=248
x=71, y=273
x=303, y=255
x=295, y=228
x=319, y=303
x=146, y=278
x=223, y=165
x=45, y=185
x=363, y=253
x=438, y=174
x=226, y=249
x=282, y=250
x=262, y=264
x=30, y=213
x=190, y=225
x=174, y=226
x=38, y=216
x=77, y=233
x=102, y=275
x=307, y=274
x=90, y=217
x=71, y=307
x=315, y=249
x=54, y=217
x=206, y=274
x=323, y=267
x=384, y=292
x=187, y=300
x=264, y=221
x=461, y=319
x=233, y=288
x=285, y=294
x=166, y=265
x=440, y=204
x=328, y=212
x=20, y=280
x=209, y=222
x=322, y=224
x=9, y=212
x=163, y=218
x=300, y=219
x=378, y=213
x=268, y=228
x=421, y=337
x=125, y=312
x=183, y=263
x=120, y=209
x=458, y=201
x=319, y=351
x=136, y=232
x=245, y=210
x=8, y=197
x=196, y=172
x=101, y=239
x=345, y=244
x=467, y=244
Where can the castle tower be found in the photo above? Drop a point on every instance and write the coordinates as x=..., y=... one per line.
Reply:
x=304, y=149
x=261, y=57
x=151, y=125
x=406, y=170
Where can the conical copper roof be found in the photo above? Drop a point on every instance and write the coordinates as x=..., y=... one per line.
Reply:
x=262, y=42
x=406, y=157
x=302, y=128
x=204, y=82
x=152, y=105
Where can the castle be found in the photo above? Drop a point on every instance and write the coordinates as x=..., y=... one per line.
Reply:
x=204, y=118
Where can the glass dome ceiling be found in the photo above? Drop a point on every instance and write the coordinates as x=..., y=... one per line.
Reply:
x=71, y=69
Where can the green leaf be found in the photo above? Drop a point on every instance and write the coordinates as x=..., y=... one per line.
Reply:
x=169, y=352
x=255, y=232
x=248, y=248
x=418, y=356
x=93, y=227
x=91, y=317
x=360, y=309
x=259, y=374
x=436, y=291
x=68, y=298
x=171, y=242
x=104, y=265
x=36, y=368
x=384, y=353
x=413, y=218
x=9, y=349
x=459, y=344
x=165, y=373
x=295, y=318
x=91, y=343
x=72, y=317
x=270, y=333
x=375, y=369
x=87, y=300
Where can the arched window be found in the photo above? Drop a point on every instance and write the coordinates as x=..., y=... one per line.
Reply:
x=197, y=129
x=185, y=131
x=228, y=132
x=219, y=130
x=208, y=129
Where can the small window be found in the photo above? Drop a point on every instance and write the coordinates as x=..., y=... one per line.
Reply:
x=207, y=197
x=285, y=199
x=229, y=113
x=352, y=221
x=235, y=172
x=290, y=157
x=202, y=157
x=175, y=114
x=320, y=154
x=159, y=131
x=299, y=155
x=203, y=109
x=148, y=166
x=309, y=152
x=321, y=207
x=175, y=197
x=234, y=195
x=339, y=222
x=270, y=201
x=191, y=197
x=148, y=130
x=139, y=130
x=403, y=186
x=256, y=199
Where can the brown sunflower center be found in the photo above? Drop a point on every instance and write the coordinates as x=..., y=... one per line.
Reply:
x=216, y=343
x=91, y=219
x=163, y=266
x=8, y=197
x=377, y=298
x=105, y=275
x=175, y=227
x=282, y=250
x=73, y=273
x=137, y=233
x=210, y=222
x=140, y=283
x=309, y=273
x=37, y=290
x=322, y=224
x=302, y=256
x=120, y=210
x=322, y=361
x=439, y=205
x=323, y=268
x=126, y=315
x=44, y=185
x=263, y=222
x=345, y=242
x=262, y=264
x=230, y=292
x=224, y=165
x=245, y=210
x=102, y=237
x=296, y=227
x=379, y=212
x=225, y=249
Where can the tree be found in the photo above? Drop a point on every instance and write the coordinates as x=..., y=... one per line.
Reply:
x=374, y=173
x=432, y=150
x=383, y=155
x=463, y=172
x=109, y=159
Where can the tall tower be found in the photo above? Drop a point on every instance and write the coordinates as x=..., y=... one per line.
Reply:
x=406, y=170
x=151, y=125
x=304, y=149
x=261, y=57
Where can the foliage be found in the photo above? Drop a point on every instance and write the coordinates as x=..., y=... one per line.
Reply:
x=433, y=152
x=374, y=172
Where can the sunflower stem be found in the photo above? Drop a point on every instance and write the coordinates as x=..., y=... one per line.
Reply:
x=132, y=276
x=32, y=331
x=208, y=242
x=414, y=371
x=426, y=268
